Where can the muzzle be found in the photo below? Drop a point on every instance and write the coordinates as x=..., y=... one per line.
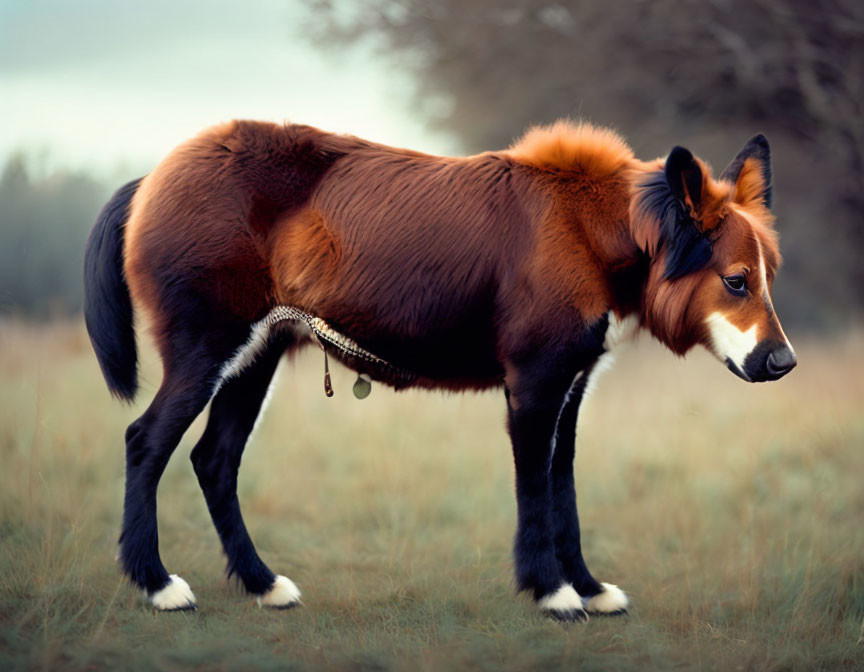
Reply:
x=769, y=360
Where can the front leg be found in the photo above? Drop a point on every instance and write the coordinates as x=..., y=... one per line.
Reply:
x=598, y=597
x=537, y=393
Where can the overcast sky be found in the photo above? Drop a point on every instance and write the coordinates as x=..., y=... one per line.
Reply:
x=114, y=84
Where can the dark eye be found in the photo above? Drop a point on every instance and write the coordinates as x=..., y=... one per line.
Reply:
x=736, y=284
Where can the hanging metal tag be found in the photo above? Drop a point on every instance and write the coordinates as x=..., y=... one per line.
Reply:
x=362, y=386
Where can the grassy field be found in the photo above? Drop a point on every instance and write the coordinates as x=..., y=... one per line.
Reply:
x=733, y=514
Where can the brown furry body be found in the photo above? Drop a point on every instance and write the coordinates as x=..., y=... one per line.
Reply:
x=511, y=268
x=446, y=266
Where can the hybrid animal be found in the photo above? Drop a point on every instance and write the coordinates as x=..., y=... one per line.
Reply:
x=516, y=269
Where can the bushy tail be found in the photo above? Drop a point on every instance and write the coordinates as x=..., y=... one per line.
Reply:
x=107, y=304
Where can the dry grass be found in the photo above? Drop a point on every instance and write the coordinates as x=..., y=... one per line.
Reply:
x=731, y=513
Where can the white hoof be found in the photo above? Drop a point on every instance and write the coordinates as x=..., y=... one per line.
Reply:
x=563, y=605
x=611, y=601
x=283, y=595
x=176, y=596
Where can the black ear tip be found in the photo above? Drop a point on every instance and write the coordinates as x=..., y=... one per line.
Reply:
x=760, y=143
x=679, y=155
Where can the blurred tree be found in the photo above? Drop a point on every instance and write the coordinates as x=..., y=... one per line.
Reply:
x=704, y=73
x=44, y=223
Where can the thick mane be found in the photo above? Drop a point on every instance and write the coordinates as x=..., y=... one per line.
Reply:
x=687, y=248
x=566, y=145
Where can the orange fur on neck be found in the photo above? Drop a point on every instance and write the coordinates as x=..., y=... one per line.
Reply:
x=566, y=145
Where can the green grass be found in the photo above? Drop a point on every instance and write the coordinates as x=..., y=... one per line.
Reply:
x=733, y=515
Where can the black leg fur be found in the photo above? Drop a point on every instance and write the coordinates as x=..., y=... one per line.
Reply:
x=535, y=400
x=191, y=365
x=150, y=441
x=565, y=517
x=531, y=427
x=216, y=459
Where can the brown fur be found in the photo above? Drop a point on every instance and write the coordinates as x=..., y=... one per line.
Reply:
x=675, y=311
x=567, y=146
x=447, y=266
x=459, y=273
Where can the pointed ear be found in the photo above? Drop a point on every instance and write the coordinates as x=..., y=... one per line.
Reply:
x=684, y=177
x=750, y=172
x=663, y=215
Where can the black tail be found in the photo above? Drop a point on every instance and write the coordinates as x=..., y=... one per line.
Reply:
x=107, y=304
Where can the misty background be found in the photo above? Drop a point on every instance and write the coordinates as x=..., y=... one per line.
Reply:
x=95, y=93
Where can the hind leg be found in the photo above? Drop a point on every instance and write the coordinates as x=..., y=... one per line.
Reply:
x=216, y=459
x=191, y=371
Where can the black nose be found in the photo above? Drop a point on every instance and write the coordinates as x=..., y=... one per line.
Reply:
x=780, y=362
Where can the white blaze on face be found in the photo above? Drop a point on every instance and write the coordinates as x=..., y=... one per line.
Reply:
x=728, y=342
x=763, y=276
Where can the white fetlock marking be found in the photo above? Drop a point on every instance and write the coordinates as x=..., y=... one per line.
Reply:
x=610, y=600
x=176, y=595
x=284, y=593
x=564, y=599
